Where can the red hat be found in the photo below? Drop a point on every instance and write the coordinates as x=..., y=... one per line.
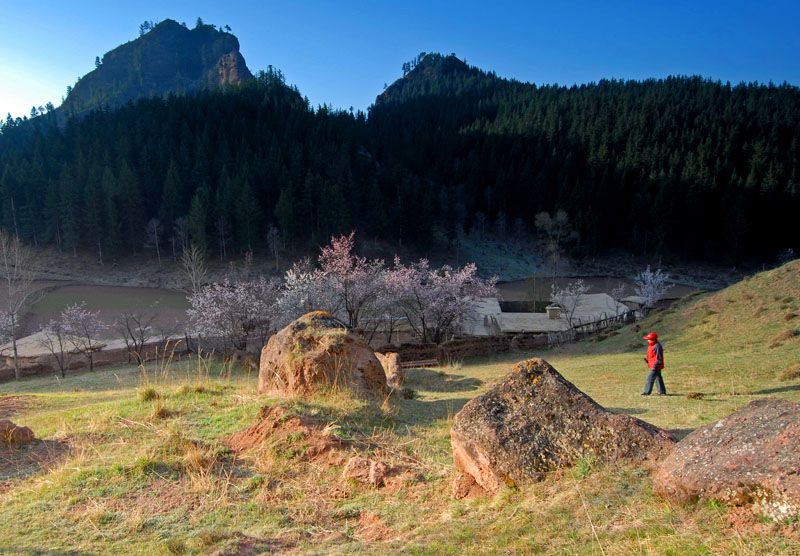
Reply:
x=651, y=336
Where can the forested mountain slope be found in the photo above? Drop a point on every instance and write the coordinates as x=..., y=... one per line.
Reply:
x=681, y=166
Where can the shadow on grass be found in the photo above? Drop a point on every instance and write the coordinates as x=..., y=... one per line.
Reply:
x=427, y=380
x=17, y=462
x=680, y=434
x=420, y=412
x=791, y=388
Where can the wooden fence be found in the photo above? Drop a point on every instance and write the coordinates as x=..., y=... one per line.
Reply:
x=584, y=329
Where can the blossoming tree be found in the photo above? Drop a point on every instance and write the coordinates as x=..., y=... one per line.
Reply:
x=436, y=302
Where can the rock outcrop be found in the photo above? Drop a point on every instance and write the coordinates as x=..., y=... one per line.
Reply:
x=365, y=471
x=750, y=456
x=390, y=362
x=170, y=58
x=11, y=433
x=318, y=351
x=534, y=421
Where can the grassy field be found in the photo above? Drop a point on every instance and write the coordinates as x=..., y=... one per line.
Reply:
x=110, y=301
x=135, y=461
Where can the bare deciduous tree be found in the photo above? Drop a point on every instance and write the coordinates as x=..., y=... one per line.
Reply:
x=274, y=243
x=569, y=298
x=54, y=338
x=617, y=295
x=135, y=325
x=180, y=235
x=16, y=274
x=557, y=231
x=84, y=329
x=153, y=231
x=195, y=267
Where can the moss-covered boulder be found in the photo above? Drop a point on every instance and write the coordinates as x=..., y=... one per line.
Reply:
x=752, y=456
x=534, y=421
x=318, y=351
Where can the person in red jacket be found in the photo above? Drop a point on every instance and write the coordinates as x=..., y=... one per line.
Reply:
x=655, y=362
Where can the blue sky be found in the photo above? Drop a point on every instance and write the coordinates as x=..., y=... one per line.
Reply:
x=341, y=53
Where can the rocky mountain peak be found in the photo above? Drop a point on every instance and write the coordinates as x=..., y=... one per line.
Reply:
x=170, y=58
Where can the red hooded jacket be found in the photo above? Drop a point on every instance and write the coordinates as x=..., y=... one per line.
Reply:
x=655, y=356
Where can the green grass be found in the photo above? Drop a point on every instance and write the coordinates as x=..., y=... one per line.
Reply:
x=150, y=473
x=107, y=297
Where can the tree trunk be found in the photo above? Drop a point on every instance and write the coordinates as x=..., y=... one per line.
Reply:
x=16, y=357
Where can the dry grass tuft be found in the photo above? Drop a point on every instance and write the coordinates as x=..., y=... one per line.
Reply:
x=148, y=394
x=210, y=537
x=175, y=546
x=789, y=316
x=790, y=373
x=694, y=396
x=160, y=411
x=786, y=335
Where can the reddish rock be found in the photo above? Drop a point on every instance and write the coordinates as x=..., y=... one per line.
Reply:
x=318, y=351
x=750, y=456
x=390, y=362
x=464, y=486
x=14, y=434
x=365, y=471
x=534, y=421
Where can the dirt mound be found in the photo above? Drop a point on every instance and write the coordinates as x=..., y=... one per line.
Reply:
x=11, y=405
x=291, y=435
x=310, y=441
x=751, y=456
x=317, y=351
x=534, y=421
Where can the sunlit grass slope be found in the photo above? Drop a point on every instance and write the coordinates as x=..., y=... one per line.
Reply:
x=134, y=462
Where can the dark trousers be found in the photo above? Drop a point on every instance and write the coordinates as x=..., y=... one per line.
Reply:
x=654, y=376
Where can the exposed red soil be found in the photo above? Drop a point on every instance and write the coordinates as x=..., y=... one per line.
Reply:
x=11, y=405
x=371, y=528
x=275, y=427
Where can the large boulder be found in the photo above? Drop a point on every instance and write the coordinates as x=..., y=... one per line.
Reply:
x=11, y=433
x=318, y=351
x=750, y=456
x=534, y=421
